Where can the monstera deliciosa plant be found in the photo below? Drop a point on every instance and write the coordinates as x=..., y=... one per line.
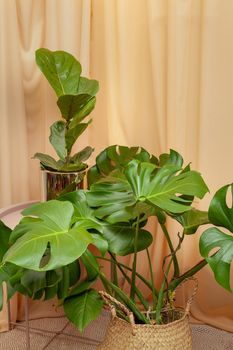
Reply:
x=42, y=256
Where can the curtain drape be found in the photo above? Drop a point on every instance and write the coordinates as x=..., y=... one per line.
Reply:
x=166, y=79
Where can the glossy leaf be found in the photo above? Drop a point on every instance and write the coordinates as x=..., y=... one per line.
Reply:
x=220, y=262
x=88, y=86
x=220, y=214
x=72, y=134
x=83, y=308
x=61, y=69
x=121, y=238
x=74, y=105
x=192, y=219
x=164, y=187
x=57, y=138
x=53, y=229
x=83, y=113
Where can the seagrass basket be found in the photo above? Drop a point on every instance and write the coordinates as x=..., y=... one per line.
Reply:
x=123, y=335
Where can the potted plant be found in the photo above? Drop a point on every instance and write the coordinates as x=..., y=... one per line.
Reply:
x=42, y=255
x=76, y=100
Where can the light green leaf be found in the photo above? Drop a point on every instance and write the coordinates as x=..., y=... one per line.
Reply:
x=84, y=308
x=192, y=219
x=83, y=155
x=53, y=230
x=4, y=239
x=88, y=86
x=46, y=161
x=220, y=262
x=61, y=69
x=220, y=214
x=57, y=138
x=72, y=134
x=164, y=187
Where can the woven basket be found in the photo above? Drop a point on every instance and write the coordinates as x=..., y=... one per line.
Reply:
x=122, y=335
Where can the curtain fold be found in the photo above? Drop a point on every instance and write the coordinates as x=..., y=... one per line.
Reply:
x=166, y=81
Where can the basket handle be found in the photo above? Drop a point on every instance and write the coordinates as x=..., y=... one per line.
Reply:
x=191, y=298
x=110, y=301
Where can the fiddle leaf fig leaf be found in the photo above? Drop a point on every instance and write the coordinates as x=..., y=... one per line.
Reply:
x=47, y=161
x=88, y=86
x=61, y=69
x=83, y=112
x=75, y=106
x=83, y=155
x=72, y=134
x=162, y=188
x=219, y=212
x=83, y=308
x=51, y=231
x=220, y=262
x=57, y=138
x=121, y=239
x=192, y=219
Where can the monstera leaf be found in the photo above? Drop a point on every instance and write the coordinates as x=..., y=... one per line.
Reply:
x=163, y=188
x=192, y=219
x=50, y=229
x=213, y=238
x=117, y=157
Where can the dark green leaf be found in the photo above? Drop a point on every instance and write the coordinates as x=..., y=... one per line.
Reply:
x=4, y=239
x=57, y=138
x=83, y=155
x=220, y=262
x=192, y=219
x=73, y=105
x=33, y=281
x=46, y=161
x=220, y=214
x=88, y=86
x=53, y=228
x=84, y=308
x=61, y=69
x=83, y=112
x=72, y=134
x=91, y=265
x=81, y=287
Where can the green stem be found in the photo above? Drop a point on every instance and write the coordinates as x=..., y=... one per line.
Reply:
x=154, y=294
x=173, y=252
x=114, y=277
x=137, y=291
x=161, y=293
x=132, y=291
x=147, y=283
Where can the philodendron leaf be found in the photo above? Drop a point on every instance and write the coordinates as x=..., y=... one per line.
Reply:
x=88, y=86
x=164, y=187
x=83, y=308
x=220, y=214
x=75, y=106
x=61, y=69
x=192, y=219
x=47, y=161
x=57, y=138
x=121, y=238
x=51, y=230
x=220, y=262
x=72, y=134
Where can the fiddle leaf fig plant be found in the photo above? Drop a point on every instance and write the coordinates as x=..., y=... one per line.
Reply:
x=50, y=249
x=76, y=100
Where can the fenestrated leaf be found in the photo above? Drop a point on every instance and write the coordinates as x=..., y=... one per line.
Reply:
x=192, y=219
x=72, y=134
x=172, y=158
x=83, y=308
x=88, y=86
x=46, y=161
x=220, y=262
x=219, y=212
x=164, y=187
x=83, y=155
x=57, y=138
x=61, y=69
x=117, y=157
x=53, y=229
x=74, y=106
x=121, y=239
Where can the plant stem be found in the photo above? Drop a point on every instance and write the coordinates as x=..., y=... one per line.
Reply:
x=114, y=277
x=154, y=296
x=147, y=283
x=173, y=252
x=133, y=279
x=137, y=291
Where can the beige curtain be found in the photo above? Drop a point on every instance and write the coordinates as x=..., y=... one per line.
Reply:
x=166, y=75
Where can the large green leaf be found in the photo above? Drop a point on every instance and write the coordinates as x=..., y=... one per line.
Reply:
x=83, y=308
x=220, y=214
x=165, y=187
x=220, y=262
x=4, y=239
x=57, y=138
x=78, y=106
x=192, y=219
x=52, y=229
x=72, y=134
x=61, y=69
x=121, y=238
